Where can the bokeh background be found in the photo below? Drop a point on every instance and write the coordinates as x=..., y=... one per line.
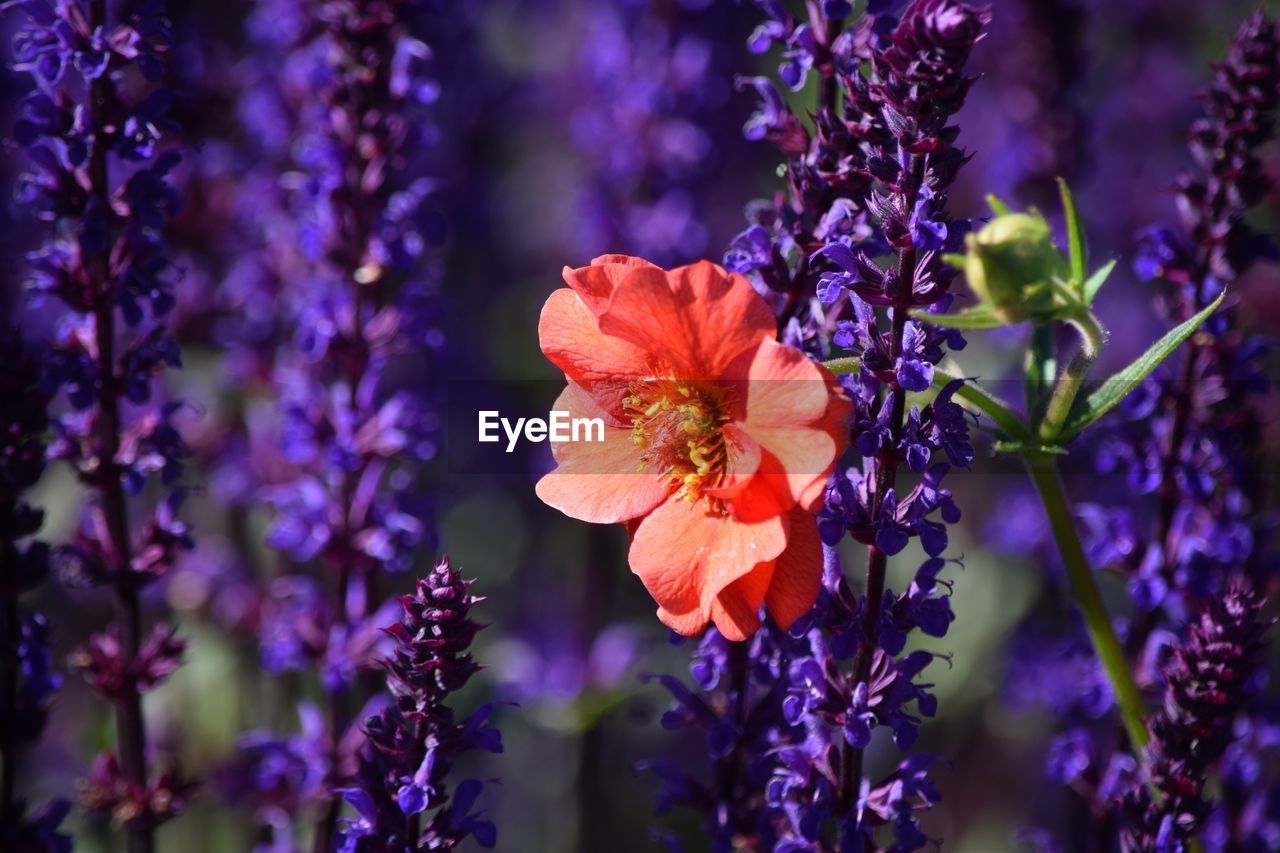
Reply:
x=565, y=129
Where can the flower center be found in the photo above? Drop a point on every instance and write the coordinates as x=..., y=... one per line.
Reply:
x=678, y=426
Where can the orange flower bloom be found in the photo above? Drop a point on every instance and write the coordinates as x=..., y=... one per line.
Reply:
x=718, y=439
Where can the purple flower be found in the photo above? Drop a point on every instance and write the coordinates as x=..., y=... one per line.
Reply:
x=797, y=59
x=736, y=708
x=870, y=181
x=412, y=743
x=1069, y=756
x=913, y=373
x=1187, y=534
x=277, y=774
x=771, y=120
x=98, y=177
x=1159, y=249
x=334, y=314
x=751, y=251
x=644, y=103
x=1060, y=674
x=928, y=231
x=1208, y=681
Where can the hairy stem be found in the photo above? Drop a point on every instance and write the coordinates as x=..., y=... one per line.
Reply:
x=130, y=724
x=1072, y=379
x=886, y=472
x=1044, y=473
x=1039, y=369
x=843, y=366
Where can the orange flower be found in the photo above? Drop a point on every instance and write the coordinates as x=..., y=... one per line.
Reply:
x=718, y=439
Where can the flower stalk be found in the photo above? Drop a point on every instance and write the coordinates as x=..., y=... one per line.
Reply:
x=401, y=789
x=94, y=102
x=1069, y=384
x=1034, y=280
x=1043, y=470
x=131, y=730
x=857, y=244
x=886, y=468
x=1210, y=597
x=349, y=510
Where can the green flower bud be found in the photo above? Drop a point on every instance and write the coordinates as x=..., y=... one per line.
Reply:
x=1009, y=264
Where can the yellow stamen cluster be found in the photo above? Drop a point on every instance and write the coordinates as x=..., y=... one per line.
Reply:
x=678, y=426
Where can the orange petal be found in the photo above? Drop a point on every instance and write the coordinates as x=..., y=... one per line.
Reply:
x=743, y=461
x=576, y=400
x=779, y=385
x=797, y=459
x=686, y=553
x=835, y=424
x=571, y=338
x=595, y=283
x=757, y=501
x=689, y=624
x=697, y=318
x=797, y=577
x=736, y=610
x=812, y=497
x=839, y=408
x=597, y=481
x=794, y=459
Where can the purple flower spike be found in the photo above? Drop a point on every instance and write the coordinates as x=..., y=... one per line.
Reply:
x=1189, y=532
x=97, y=131
x=337, y=324
x=412, y=744
x=1208, y=683
x=868, y=181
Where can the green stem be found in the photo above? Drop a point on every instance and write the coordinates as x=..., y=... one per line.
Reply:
x=842, y=366
x=1044, y=473
x=1092, y=337
x=1039, y=369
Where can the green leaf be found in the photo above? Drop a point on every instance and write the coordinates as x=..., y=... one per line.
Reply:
x=593, y=705
x=956, y=259
x=1009, y=422
x=1108, y=395
x=1068, y=292
x=1041, y=369
x=1075, y=233
x=1094, y=283
x=843, y=366
x=972, y=319
x=1023, y=447
x=998, y=207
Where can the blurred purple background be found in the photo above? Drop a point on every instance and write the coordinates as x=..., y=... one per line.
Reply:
x=565, y=129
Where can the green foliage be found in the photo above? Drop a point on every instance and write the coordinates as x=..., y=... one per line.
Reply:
x=1108, y=395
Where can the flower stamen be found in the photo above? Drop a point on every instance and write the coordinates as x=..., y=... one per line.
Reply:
x=679, y=426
